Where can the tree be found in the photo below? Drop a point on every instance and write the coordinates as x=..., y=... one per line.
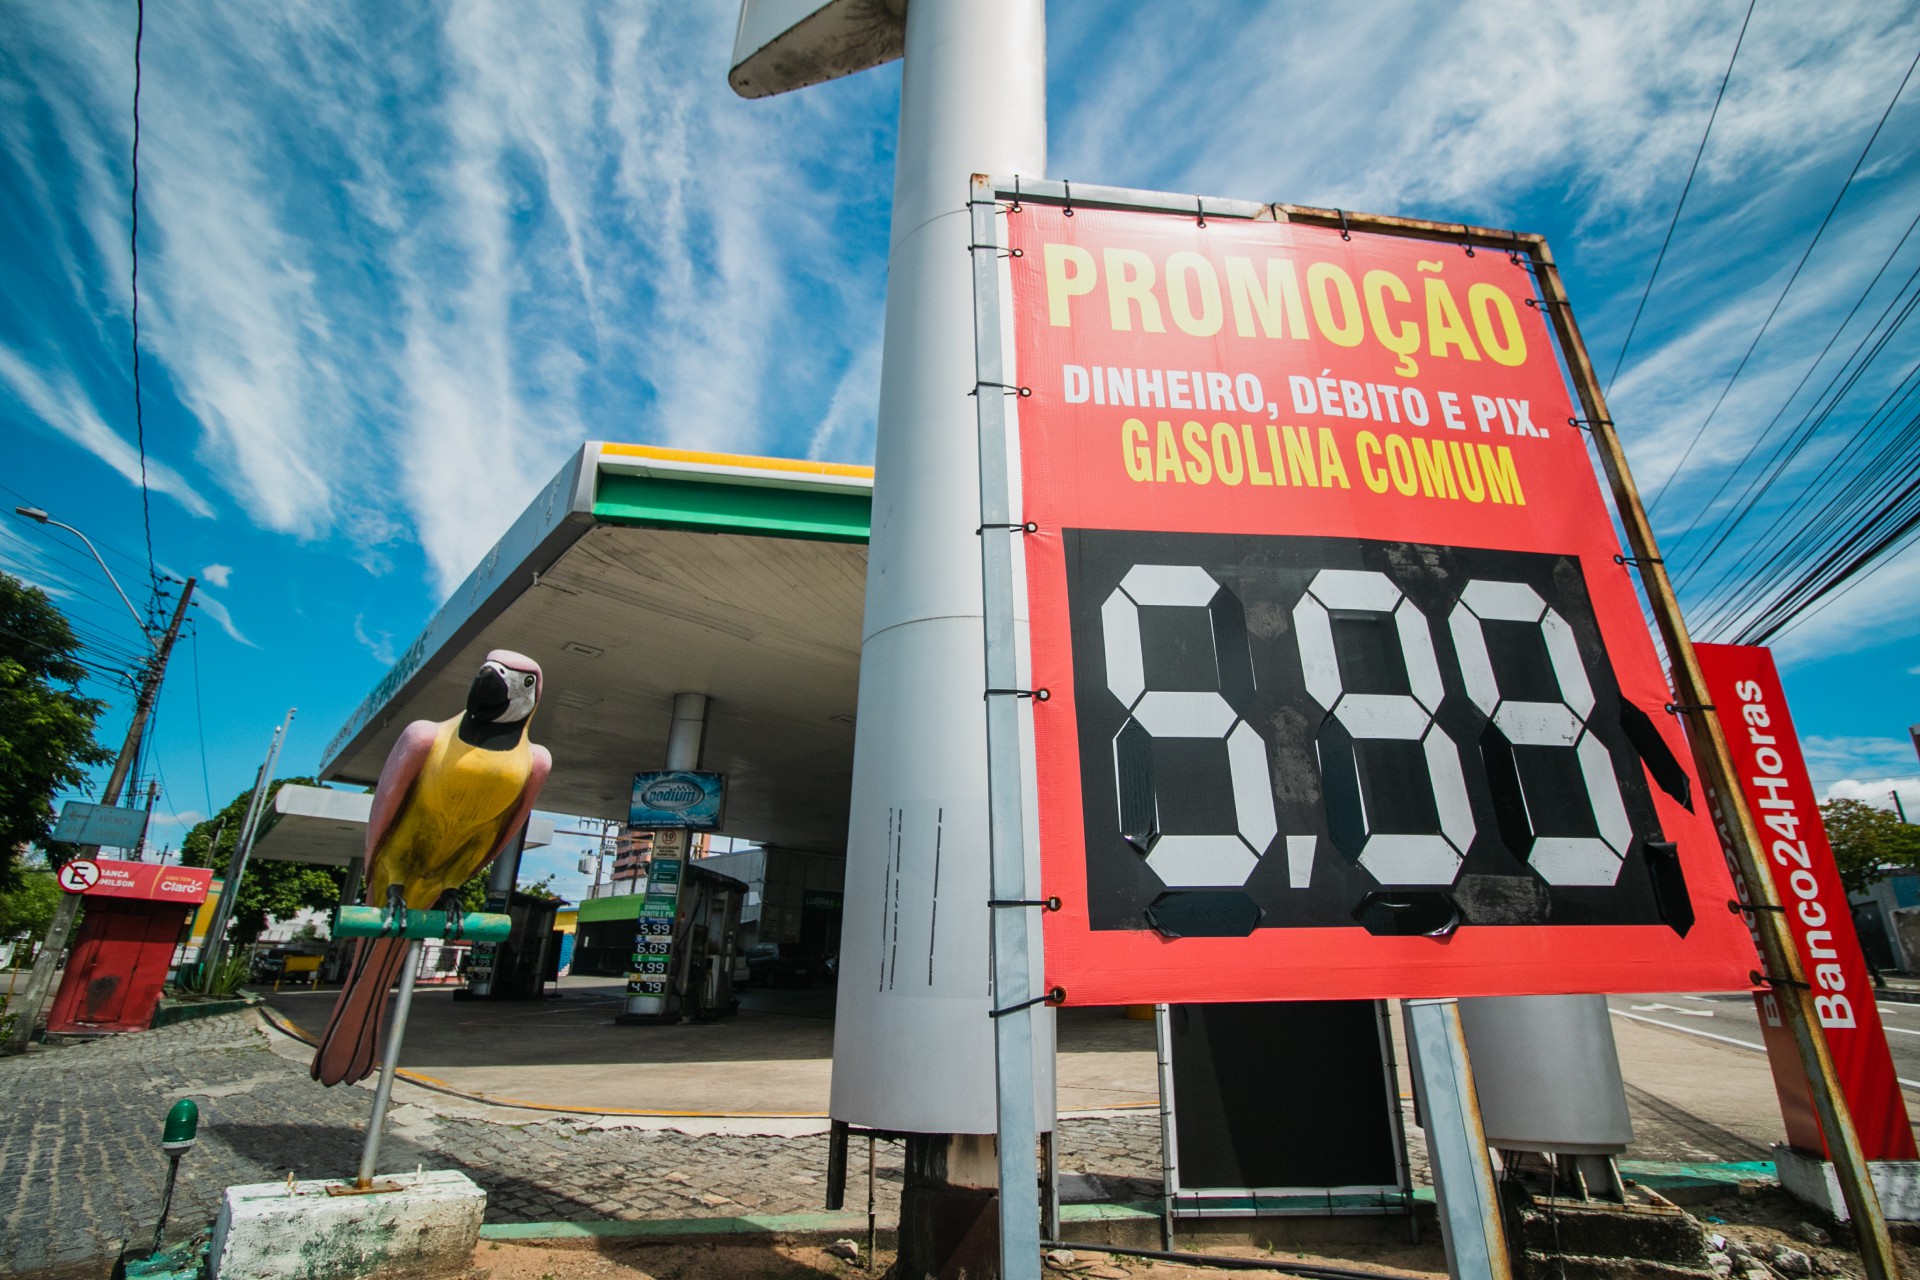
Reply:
x=1869, y=843
x=46, y=726
x=27, y=907
x=268, y=890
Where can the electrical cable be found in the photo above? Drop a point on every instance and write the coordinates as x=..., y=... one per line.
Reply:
x=1691, y=170
x=1804, y=594
x=199, y=716
x=101, y=668
x=133, y=244
x=1814, y=510
x=1743, y=581
x=1807, y=615
x=78, y=594
x=1673, y=544
x=73, y=570
x=104, y=545
x=1899, y=510
x=1768, y=322
x=1844, y=379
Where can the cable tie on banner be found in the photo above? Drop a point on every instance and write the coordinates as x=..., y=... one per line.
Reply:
x=1200, y=209
x=1344, y=233
x=1005, y=253
x=1028, y=527
x=1466, y=244
x=1051, y=904
x=1016, y=206
x=1738, y=907
x=1587, y=424
x=1675, y=708
x=1038, y=695
x=1053, y=995
x=1007, y=388
x=1541, y=304
x=1068, y=188
x=1760, y=979
x=1637, y=561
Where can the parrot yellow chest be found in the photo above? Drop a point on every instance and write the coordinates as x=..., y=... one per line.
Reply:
x=452, y=817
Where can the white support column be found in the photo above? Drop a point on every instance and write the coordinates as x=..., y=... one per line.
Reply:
x=687, y=732
x=686, y=738
x=913, y=1045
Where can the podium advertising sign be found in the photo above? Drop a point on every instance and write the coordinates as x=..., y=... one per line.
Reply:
x=1746, y=691
x=1347, y=688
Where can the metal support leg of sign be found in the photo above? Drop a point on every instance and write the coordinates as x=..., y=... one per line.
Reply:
x=1011, y=924
x=1456, y=1148
x=1169, y=1138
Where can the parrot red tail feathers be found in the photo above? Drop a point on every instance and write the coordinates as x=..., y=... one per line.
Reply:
x=350, y=1046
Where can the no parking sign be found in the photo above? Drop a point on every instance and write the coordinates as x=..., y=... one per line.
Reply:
x=79, y=875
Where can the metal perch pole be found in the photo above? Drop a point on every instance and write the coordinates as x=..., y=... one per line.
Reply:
x=373, y=922
x=390, y=1061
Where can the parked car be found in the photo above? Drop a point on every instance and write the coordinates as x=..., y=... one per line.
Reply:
x=783, y=964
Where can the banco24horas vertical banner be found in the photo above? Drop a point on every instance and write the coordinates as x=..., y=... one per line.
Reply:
x=1349, y=692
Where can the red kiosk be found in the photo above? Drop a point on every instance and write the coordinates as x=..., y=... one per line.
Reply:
x=135, y=914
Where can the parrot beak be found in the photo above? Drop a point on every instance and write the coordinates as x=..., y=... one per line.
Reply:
x=489, y=696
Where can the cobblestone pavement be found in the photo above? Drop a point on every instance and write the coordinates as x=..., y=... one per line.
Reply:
x=81, y=1170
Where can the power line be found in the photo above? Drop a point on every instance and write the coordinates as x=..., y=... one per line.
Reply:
x=199, y=717
x=102, y=543
x=1766, y=324
x=1807, y=615
x=1693, y=169
x=139, y=417
x=1814, y=525
x=1806, y=377
x=1840, y=385
x=70, y=590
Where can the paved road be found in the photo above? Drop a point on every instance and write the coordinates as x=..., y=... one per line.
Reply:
x=81, y=1168
x=1732, y=1018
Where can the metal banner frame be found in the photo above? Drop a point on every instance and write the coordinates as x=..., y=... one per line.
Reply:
x=1438, y=1047
x=1010, y=907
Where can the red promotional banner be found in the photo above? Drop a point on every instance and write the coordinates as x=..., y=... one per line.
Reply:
x=1349, y=693
x=1746, y=692
x=151, y=882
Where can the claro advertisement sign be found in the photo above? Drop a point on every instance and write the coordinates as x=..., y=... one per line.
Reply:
x=1348, y=691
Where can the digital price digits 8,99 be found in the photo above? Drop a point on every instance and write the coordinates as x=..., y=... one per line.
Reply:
x=1428, y=711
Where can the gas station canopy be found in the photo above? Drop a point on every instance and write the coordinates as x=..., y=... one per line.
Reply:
x=639, y=573
x=329, y=828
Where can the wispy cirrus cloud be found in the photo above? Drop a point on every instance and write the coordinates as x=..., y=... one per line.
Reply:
x=377, y=643
x=55, y=400
x=398, y=264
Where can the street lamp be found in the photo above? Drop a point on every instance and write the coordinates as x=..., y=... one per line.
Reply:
x=38, y=516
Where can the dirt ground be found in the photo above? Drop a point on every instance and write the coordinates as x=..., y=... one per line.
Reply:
x=1749, y=1229
x=763, y=1260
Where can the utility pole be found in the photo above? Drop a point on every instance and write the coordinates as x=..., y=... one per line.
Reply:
x=242, y=848
x=153, y=798
x=40, y=981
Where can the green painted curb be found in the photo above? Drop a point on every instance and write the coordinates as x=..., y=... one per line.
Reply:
x=752, y=1224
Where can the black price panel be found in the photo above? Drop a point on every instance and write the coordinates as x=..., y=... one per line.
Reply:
x=1311, y=729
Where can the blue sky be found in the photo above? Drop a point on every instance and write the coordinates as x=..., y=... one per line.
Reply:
x=396, y=261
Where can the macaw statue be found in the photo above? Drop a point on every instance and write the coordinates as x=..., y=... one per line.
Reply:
x=449, y=798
